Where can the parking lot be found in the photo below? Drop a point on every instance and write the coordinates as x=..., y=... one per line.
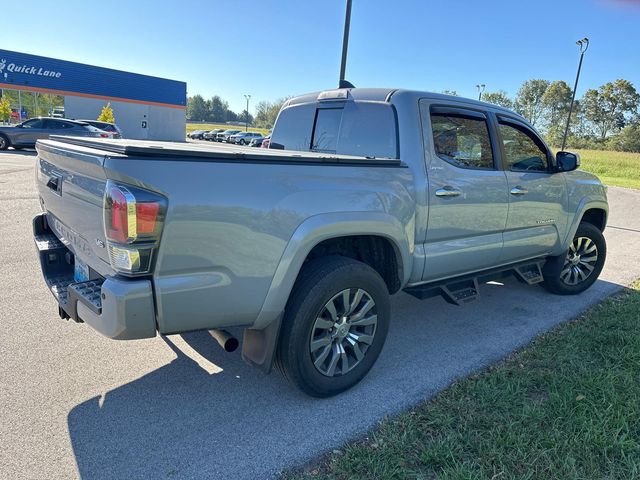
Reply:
x=76, y=405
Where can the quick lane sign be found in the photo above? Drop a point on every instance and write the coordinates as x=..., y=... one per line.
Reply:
x=28, y=72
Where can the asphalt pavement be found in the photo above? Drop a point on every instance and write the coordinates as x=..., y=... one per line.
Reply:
x=74, y=404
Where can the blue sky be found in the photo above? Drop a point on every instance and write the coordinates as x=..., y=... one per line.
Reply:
x=274, y=48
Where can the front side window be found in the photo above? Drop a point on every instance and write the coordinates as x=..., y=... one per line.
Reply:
x=523, y=151
x=34, y=123
x=462, y=140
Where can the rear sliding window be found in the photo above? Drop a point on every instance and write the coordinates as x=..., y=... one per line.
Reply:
x=353, y=128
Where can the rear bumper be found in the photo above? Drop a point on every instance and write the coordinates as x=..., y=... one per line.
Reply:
x=121, y=309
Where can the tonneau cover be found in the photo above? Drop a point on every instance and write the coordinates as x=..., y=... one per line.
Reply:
x=157, y=149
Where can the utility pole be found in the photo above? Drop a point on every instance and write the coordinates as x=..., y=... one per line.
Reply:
x=246, y=123
x=345, y=46
x=582, y=45
x=480, y=88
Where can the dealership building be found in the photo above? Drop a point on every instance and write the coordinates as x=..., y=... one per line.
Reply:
x=144, y=107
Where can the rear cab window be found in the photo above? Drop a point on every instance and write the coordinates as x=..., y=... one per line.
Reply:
x=366, y=129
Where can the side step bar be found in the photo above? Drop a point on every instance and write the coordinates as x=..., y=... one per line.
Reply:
x=465, y=289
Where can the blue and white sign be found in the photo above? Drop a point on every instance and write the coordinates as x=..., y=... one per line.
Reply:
x=31, y=72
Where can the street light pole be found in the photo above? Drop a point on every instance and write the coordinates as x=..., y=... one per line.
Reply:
x=345, y=45
x=246, y=123
x=582, y=45
x=480, y=88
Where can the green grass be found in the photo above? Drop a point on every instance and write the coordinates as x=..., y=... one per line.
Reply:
x=211, y=126
x=565, y=407
x=614, y=168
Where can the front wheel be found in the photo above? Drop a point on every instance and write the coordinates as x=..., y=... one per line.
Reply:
x=4, y=142
x=334, y=326
x=576, y=271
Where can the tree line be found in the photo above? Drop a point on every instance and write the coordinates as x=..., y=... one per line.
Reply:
x=606, y=117
x=216, y=110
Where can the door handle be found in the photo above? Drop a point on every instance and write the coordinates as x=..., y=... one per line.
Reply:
x=518, y=190
x=53, y=182
x=448, y=192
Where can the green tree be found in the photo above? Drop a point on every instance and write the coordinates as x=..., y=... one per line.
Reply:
x=498, y=98
x=628, y=140
x=267, y=112
x=197, y=108
x=529, y=102
x=107, y=114
x=217, y=109
x=556, y=101
x=610, y=106
x=5, y=109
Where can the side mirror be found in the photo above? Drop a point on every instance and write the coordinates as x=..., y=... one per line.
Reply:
x=567, y=161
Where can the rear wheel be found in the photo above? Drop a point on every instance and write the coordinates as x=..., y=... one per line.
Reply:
x=4, y=142
x=577, y=270
x=334, y=327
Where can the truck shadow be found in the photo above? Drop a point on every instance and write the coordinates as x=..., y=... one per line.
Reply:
x=183, y=421
x=22, y=153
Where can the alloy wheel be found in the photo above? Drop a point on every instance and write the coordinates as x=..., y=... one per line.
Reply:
x=343, y=332
x=581, y=260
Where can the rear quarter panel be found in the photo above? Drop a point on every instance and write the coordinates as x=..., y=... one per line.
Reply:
x=228, y=225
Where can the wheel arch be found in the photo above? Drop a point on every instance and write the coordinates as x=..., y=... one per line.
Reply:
x=594, y=211
x=339, y=233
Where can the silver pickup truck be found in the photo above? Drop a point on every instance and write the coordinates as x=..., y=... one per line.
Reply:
x=362, y=193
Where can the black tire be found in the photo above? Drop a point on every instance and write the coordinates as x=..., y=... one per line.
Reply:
x=556, y=278
x=318, y=283
x=242, y=142
x=4, y=142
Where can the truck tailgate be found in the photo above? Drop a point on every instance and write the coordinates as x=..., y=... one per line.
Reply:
x=71, y=184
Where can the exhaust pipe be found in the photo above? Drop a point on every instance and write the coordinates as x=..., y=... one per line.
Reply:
x=227, y=341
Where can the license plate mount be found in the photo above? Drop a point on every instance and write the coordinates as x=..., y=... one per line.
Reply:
x=80, y=271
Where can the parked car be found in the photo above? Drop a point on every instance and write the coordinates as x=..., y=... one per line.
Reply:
x=266, y=141
x=105, y=126
x=26, y=134
x=211, y=136
x=256, y=142
x=363, y=193
x=224, y=136
x=197, y=134
x=244, y=138
x=57, y=112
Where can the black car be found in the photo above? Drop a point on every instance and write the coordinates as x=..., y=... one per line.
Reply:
x=197, y=134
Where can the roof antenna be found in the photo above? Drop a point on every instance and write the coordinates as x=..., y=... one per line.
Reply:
x=583, y=45
x=345, y=45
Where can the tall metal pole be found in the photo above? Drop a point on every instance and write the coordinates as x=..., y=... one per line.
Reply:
x=480, y=88
x=345, y=42
x=246, y=118
x=583, y=45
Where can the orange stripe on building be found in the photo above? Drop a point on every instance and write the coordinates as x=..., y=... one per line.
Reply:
x=11, y=86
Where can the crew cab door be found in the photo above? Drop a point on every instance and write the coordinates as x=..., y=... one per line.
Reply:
x=467, y=191
x=537, y=196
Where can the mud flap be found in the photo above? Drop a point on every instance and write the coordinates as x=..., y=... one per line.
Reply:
x=259, y=346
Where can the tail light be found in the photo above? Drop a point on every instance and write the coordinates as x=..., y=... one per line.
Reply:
x=133, y=221
x=104, y=135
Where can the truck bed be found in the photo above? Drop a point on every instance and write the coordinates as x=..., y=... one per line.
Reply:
x=157, y=150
